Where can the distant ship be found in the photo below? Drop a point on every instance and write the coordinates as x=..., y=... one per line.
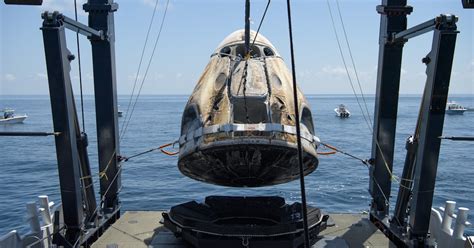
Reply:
x=9, y=117
x=238, y=127
x=453, y=108
x=342, y=111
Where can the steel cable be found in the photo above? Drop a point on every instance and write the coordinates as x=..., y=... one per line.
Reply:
x=298, y=132
x=79, y=67
x=139, y=66
x=146, y=71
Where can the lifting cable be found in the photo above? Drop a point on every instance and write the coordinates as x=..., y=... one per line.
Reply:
x=146, y=71
x=261, y=21
x=345, y=64
x=120, y=158
x=161, y=148
x=40, y=240
x=139, y=66
x=127, y=121
x=298, y=132
x=364, y=161
x=80, y=69
x=103, y=173
x=353, y=63
x=367, y=119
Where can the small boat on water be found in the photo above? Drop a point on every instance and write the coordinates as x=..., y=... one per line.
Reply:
x=342, y=111
x=9, y=117
x=453, y=108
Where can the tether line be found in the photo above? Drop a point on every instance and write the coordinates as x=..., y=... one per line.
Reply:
x=80, y=69
x=298, y=132
x=146, y=71
x=139, y=67
x=261, y=21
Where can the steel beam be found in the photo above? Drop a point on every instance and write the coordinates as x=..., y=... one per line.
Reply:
x=64, y=114
x=103, y=57
x=82, y=29
x=404, y=191
x=415, y=31
x=393, y=20
x=439, y=64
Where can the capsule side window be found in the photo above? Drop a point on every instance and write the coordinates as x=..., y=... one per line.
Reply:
x=225, y=51
x=254, y=51
x=268, y=52
x=191, y=119
x=307, y=119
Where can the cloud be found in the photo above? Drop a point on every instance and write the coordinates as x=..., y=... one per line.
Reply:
x=161, y=4
x=89, y=76
x=9, y=77
x=134, y=77
x=179, y=75
x=150, y=3
x=334, y=71
x=403, y=72
x=63, y=6
x=41, y=75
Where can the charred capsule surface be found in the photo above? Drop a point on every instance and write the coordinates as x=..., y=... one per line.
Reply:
x=238, y=127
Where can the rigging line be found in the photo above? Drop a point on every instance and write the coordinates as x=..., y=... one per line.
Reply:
x=355, y=94
x=147, y=68
x=153, y=149
x=106, y=191
x=261, y=21
x=79, y=239
x=298, y=131
x=139, y=65
x=244, y=78
x=344, y=62
x=46, y=237
x=80, y=69
x=353, y=63
x=364, y=161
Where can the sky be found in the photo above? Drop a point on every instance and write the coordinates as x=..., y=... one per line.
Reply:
x=193, y=29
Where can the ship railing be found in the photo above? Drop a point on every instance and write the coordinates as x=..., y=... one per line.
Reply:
x=441, y=222
x=40, y=217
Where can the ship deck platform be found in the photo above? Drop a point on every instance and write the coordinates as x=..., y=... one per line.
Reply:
x=143, y=229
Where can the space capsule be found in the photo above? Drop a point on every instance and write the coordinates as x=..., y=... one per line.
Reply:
x=238, y=126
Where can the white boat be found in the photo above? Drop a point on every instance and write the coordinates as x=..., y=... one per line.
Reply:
x=453, y=108
x=342, y=111
x=119, y=112
x=9, y=117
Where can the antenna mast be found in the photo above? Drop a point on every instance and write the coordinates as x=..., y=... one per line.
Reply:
x=247, y=27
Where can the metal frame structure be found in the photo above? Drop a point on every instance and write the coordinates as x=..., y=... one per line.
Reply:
x=83, y=221
x=409, y=225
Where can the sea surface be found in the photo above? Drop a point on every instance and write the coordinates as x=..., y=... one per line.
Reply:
x=152, y=182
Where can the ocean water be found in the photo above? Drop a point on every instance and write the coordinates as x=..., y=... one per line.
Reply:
x=152, y=182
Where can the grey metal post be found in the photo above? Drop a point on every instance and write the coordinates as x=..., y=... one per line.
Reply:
x=439, y=64
x=62, y=106
x=404, y=191
x=393, y=19
x=247, y=26
x=103, y=53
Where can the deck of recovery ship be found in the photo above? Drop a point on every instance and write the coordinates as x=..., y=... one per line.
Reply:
x=143, y=229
